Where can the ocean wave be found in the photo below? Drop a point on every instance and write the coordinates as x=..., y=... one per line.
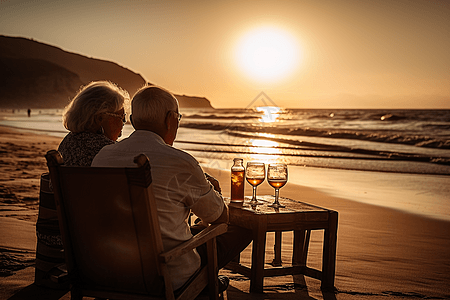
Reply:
x=374, y=136
x=317, y=150
x=220, y=117
x=391, y=155
x=437, y=126
x=373, y=114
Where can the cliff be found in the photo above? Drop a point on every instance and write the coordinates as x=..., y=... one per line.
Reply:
x=193, y=102
x=37, y=75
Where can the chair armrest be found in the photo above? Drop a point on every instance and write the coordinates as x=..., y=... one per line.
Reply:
x=197, y=240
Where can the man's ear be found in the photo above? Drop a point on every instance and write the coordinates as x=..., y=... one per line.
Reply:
x=167, y=120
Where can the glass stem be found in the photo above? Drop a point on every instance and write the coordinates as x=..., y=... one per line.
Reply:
x=276, y=195
x=254, y=194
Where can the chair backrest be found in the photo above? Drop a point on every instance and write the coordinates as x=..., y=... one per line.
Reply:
x=109, y=225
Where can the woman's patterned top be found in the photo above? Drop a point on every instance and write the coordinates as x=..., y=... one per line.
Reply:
x=79, y=149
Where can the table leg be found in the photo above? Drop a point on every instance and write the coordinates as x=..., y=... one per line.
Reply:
x=301, y=246
x=277, y=249
x=329, y=252
x=258, y=257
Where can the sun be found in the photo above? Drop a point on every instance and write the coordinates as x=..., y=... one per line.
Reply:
x=267, y=53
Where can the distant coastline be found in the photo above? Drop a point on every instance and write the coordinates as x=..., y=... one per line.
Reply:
x=37, y=75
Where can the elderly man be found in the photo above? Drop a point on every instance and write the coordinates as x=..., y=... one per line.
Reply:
x=179, y=183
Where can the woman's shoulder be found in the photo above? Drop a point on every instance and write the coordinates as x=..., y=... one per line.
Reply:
x=84, y=140
x=87, y=137
x=80, y=148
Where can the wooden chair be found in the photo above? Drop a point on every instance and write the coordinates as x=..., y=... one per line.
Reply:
x=111, y=235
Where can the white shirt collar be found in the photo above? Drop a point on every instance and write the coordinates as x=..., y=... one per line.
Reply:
x=148, y=135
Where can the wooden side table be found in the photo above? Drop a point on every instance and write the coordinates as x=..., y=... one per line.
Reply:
x=298, y=217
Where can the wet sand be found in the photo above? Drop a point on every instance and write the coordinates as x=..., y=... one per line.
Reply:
x=381, y=254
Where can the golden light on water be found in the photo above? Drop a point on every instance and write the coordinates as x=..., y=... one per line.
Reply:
x=266, y=150
x=265, y=146
x=270, y=113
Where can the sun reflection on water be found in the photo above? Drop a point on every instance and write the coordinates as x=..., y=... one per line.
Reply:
x=270, y=113
x=264, y=150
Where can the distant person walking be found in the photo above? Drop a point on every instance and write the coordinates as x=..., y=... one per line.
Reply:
x=29, y=113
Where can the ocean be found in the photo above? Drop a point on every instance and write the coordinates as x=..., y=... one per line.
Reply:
x=408, y=148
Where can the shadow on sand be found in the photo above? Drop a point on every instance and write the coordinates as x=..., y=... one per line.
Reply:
x=38, y=293
x=297, y=289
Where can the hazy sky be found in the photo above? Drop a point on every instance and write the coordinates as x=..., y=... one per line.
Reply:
x=302, y=54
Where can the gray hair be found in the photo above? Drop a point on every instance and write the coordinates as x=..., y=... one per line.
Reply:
x=93, y=99
x=151, y=104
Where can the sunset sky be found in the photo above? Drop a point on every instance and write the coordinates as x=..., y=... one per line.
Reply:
x=301, y=54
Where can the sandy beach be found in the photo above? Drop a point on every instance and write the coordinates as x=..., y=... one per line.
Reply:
x=381, y=253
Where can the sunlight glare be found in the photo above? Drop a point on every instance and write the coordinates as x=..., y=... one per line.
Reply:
x=267, y=150
x=270, y=113
x=267, y=53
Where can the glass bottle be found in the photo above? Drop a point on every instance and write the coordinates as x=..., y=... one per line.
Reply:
x=237, y=180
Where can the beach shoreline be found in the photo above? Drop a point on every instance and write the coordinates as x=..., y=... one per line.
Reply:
x=421, y=194
x=381, y=252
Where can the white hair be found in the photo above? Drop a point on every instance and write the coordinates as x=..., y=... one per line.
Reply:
x=95, y=98
x=151, y=104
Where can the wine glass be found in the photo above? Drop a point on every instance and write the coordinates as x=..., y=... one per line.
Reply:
x=255, y=174
x=277, y=176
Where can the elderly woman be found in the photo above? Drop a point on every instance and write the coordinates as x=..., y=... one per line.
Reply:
x=95, y=118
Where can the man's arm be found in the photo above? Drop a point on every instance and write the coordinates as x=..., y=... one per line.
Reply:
x=211, y=203
x=223, y=218
x=214, y=182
